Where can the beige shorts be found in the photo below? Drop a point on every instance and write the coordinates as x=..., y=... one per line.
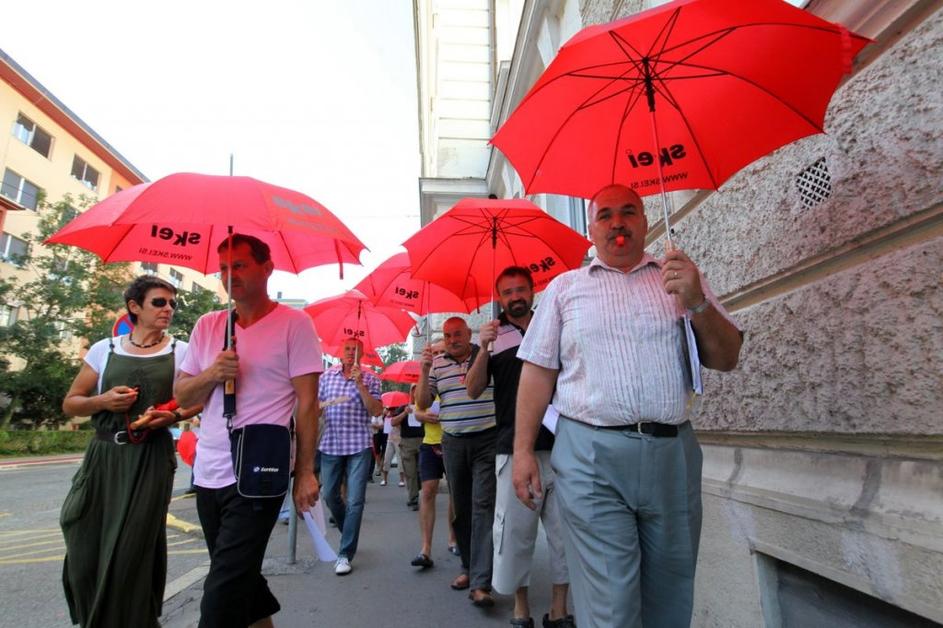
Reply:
x=515, y=529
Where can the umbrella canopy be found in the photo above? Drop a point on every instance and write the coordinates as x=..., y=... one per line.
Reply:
x=392, y=284
x=352, y=314
x=678, y=97
x=394, y=398
x=182, y=218
x=404, y=372
x=466, y=247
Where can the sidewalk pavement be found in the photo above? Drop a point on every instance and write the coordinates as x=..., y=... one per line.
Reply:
x=383, y=589
x=28, y=461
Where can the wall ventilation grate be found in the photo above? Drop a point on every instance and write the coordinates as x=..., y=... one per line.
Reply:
x=814, y=184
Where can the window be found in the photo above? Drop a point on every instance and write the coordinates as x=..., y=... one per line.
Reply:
x=8, y=315
x=176, y=278
x=24, y=192
x=85, y=173
x=149, y=268
x=577, y=217
x=197, y=289
x=64, y=332
x=33, y=136
x=13, y=249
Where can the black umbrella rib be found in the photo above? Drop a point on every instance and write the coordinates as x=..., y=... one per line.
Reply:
x=681, y=44
x=567, y=75
x=607, y=97
x=560, y=130
x=629, y=106
x=758, y=87
x=712, y=40
x=622, y=44
x=294, y=267
x=666, y=30
x=669, y=97
x=468, y=274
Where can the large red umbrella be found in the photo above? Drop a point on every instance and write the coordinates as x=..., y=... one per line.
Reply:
x=404, y=372
x=391, y=283
x=394, y=399
x=182, y=218
x=468, y=245
x=677, y=97
x=352, y=314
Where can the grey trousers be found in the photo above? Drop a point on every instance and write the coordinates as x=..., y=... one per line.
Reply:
x=631, y=507
x=469, y=468
x=409, y=465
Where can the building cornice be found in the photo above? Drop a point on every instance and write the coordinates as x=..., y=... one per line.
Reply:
x=33, y=91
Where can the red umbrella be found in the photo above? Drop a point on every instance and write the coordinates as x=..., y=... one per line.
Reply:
x=468, y=245
x=394, y=398
x=182, y=218
x=405, y=372
x=353, y=315
x=391, y=284
x=677, y=97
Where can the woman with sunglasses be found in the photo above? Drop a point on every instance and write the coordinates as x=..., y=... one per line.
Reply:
x=114, y=517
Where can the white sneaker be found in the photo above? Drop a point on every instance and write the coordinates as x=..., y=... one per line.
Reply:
x=342, y=566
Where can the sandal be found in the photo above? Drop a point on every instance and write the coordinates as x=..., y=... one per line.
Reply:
x=422, y=560
x=461, y=582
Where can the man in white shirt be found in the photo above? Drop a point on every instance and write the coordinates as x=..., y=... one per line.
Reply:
x=606, y=343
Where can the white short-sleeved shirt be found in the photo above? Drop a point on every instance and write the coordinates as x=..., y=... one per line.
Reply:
x=97, y=356
x=616, y=340
x=278, y=347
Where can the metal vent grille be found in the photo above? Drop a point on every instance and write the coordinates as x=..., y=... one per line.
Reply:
x=814, y=183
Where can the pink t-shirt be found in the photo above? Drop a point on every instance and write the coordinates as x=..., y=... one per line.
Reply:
x=281, y=345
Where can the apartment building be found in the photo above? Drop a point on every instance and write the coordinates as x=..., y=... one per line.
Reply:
x=47, y=150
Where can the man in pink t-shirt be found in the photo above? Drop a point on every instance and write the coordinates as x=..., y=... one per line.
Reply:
x=276, y=372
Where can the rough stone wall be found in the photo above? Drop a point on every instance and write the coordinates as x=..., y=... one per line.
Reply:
x=842, y=307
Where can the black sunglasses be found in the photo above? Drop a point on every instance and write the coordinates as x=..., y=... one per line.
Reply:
x=160, y=302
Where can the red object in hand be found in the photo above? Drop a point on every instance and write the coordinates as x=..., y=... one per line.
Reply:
x=170, y=406
x=186, y=447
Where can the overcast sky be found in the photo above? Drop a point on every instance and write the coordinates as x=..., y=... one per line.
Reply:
x=316, y=95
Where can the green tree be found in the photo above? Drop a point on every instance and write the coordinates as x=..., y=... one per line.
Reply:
x=390, y=354
x=193, y=305
x=72, y=295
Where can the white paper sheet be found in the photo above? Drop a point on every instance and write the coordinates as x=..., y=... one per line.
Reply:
x=412, y=421
x=694, y=362
x=314, y=520
x=550, y=419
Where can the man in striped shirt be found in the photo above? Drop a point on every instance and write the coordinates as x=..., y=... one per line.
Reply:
x=628, y=467
x=468, y=441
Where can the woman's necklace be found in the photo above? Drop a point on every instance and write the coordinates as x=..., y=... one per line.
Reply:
x=153, y=344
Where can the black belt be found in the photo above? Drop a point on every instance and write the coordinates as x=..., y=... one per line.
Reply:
x=118, y=437
x=661, y=430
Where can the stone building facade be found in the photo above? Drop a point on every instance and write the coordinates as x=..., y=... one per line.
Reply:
x=823, y=451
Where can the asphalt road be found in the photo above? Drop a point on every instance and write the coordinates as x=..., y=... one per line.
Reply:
x=31, y=547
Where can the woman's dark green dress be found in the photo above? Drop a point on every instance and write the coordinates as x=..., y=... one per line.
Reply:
x=114, y=517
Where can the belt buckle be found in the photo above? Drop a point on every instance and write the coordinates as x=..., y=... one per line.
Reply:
x=117, y=439
x=638, y=427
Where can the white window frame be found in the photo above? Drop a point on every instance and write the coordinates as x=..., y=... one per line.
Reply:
x=28, y=135
x=6, y=239
x=83, y=179
x=176, y=278
x=22, y=181
x=9, y=314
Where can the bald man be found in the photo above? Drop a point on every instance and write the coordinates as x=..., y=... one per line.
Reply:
x=469, y=444
x=606, y=344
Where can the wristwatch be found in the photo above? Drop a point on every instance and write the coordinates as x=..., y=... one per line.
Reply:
x=703, y=305
x=177, y=415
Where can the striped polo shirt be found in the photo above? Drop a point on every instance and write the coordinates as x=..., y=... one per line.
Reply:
x=459, y=414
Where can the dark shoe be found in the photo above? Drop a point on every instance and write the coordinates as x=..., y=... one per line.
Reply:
x=453, y=549
x=423, y=561
x=413, y=506
x=481, y=598
x=461, y=582
x=522, y=622
x=566, y=621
